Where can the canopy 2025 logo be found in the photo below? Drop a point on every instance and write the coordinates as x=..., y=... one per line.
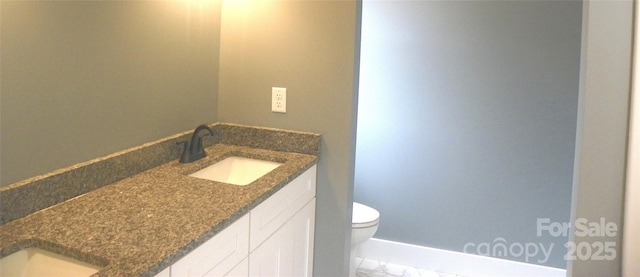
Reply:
x=601, y=250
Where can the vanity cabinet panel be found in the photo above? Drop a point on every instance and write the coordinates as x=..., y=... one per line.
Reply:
x=275, y=211
x=241, y=270
x=219, y=255
x=289, y=251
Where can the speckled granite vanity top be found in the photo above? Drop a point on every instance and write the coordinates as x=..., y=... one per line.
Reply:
x=141, y=224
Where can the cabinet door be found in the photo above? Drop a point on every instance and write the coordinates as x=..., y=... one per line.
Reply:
x=275, y=211
x=289, y=251
x=241, y=270
x=219, y=255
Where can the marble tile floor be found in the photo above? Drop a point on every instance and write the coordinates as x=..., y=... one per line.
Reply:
x=372, y=268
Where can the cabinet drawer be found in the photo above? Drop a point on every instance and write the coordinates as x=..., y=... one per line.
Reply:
x=267, y=217
x=218, y=255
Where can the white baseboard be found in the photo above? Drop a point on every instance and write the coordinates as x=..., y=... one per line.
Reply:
x=450, y=261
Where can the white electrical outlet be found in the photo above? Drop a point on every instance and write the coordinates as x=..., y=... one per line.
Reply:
x=279, y=100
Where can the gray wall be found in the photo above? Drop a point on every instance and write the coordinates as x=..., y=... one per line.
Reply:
x=467, y=120
x=309, y=47
x=81, y=79
x=605, y=87
x=91, y=78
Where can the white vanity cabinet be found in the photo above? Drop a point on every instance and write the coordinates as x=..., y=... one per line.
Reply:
x=282, y=230
x=289, y=251
x=273, y=239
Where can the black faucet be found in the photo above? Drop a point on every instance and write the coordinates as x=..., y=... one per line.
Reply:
x=194, y=150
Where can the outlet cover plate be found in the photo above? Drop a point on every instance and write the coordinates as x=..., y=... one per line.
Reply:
x=278, y=100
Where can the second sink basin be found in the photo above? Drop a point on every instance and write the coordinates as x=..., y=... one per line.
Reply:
x=236, y=170
x=37, y=262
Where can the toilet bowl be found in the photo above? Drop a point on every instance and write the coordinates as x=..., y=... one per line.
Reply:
x=364, y=223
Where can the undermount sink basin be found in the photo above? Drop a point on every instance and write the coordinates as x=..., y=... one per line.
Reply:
x=236, y=170
x=37, y=262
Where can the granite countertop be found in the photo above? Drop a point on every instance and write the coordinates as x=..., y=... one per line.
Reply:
x=140, y=225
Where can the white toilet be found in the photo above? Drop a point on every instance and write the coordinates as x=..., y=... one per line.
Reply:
x=364, y=223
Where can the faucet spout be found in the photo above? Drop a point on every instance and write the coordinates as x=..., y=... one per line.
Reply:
x=193, y=149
